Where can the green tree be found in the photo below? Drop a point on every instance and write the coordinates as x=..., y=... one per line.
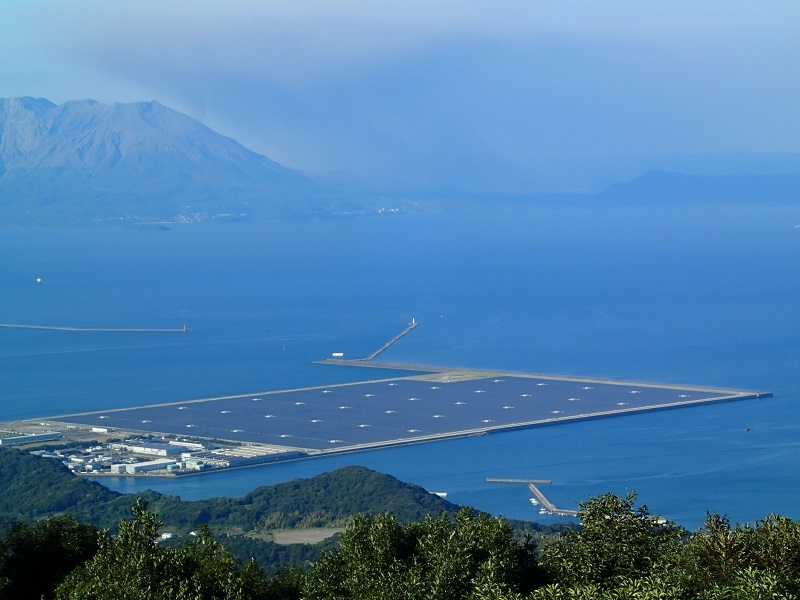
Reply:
x=4, y=581
x=616, y=541
x=749, y=584
x=652, y=587
x=437, y=558
x=132, y=566
x=746, y=559
x=286, y=584
x=39, y=556
x=714, y=554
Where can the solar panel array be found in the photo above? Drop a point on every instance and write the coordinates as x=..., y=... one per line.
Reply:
x=396, y=410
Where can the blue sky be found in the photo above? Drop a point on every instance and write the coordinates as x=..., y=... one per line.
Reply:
x=434, y=93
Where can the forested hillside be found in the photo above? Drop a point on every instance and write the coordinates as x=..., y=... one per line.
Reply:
x=620, y=552
x=35, y=487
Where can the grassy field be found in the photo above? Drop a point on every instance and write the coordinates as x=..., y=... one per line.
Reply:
x=312, y=535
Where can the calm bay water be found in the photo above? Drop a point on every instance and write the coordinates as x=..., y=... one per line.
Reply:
x=698, y=295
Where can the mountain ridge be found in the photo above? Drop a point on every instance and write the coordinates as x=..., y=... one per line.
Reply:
x=105, y=133
x=659, y=187
x=84, y=161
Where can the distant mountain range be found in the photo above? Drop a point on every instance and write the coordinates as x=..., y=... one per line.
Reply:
x=658, y=187
x=86, y=162
x=654, y=188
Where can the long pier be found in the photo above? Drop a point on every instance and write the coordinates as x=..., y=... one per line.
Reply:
x=549, y=506
x=392, y=341
x=111, y=329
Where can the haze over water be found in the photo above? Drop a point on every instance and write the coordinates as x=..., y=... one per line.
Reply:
x=703, y=295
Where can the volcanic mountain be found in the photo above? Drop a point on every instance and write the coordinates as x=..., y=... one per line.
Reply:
x=83, y=161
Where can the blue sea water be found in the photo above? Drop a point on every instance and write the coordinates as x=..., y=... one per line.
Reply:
x=703, y=295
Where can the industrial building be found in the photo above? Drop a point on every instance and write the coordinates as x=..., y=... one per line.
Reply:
x=14, y=439
x=141, y=467
x=153, y=449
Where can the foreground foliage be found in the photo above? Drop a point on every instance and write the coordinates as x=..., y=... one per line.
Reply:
x=35, y=558
x=436, y=558
x=616, y=542
x=619, y=552
x=132, y=566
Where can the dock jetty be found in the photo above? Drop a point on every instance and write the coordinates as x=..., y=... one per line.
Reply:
x=392, y=341
x=532, y=483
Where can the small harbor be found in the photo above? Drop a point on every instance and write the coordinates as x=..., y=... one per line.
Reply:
x=539, y=498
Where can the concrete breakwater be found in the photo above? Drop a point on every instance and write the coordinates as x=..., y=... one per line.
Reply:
x=547, y=506
x=392, y=341
x=109, y=329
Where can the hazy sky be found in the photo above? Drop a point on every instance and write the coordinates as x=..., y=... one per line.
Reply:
x=433, y=92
